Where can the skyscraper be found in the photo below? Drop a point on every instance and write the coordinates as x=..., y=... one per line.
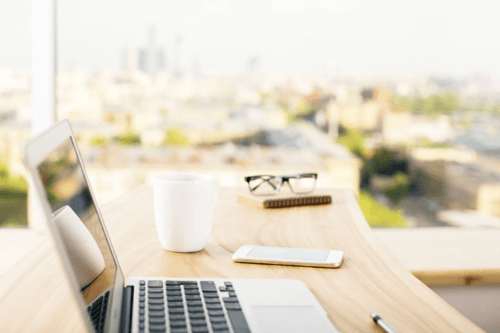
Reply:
x=148, y=59
x=151, y=63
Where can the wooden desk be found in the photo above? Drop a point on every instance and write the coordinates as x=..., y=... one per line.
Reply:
x=35, y=296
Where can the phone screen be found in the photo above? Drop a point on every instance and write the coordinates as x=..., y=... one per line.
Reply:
x=280, y=253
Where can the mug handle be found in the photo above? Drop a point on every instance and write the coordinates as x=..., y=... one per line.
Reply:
x=216, y=193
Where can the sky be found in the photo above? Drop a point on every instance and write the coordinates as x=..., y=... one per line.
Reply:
x=392, y=39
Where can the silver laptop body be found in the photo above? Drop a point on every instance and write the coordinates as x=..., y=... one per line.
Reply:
x=145, y=304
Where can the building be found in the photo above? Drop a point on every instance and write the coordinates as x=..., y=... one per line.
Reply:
x=456, y=180
x=114, y=170
x=406, y=127
x=14, y=134
x=363, y=111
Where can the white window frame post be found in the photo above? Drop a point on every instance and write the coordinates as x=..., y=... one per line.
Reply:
x=43, y=88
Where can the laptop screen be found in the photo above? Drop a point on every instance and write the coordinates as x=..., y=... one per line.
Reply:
x=65, y=185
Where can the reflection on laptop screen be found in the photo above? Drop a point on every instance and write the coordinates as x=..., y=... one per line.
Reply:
x=65, y=185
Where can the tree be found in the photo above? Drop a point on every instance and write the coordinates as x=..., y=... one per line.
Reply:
x=354, y=141
x=174, y=137
x=129, y=139
x=98, y=141
x=433, y=105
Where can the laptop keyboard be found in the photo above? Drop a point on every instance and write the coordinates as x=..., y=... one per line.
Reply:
x=189, y=306
x=97, y=312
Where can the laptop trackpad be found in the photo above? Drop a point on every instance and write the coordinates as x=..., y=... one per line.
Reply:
x=290, y=319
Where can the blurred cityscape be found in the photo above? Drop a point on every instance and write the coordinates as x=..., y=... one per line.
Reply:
x=417, y=152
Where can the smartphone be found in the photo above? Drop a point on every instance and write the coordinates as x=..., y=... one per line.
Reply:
x=288, y=256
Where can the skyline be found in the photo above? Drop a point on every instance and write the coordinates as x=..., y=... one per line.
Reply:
x=388, y=40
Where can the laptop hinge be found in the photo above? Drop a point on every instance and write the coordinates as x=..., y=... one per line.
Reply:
x=126, y=315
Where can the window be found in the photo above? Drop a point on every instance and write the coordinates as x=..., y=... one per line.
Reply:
x=397, y=101
x=15, y=111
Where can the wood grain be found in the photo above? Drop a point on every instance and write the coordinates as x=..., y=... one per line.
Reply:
x=370, y=280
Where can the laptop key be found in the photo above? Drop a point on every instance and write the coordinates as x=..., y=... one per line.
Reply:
x=95, y=310
x=174, y=299
x=178, y=324
x=214, y=307
x=156, y=307
x=196, y=315
x=220, y=327
x=238, y=321
x=178, y=330
x=155, y=301
x=218, y=319
x=174, y=283
x=175, y=311
x=199, y=329
x=212, y=301
x=208, y=286
x=190, y=286
x=193, y=297
x=195, y=309
x=215, y=313
x=157, y=328
x=176, y=317
x=156, y=314
x=173, y=287
x=230, y=300
x=155, y=283
x=175, y=305
x=232, y=306
x=173, y=293
x=198, y=322
x=194, y=303
x=155, y=290
x=210, y=295
x=155, y=321
x=191, y=292
x=155, y=295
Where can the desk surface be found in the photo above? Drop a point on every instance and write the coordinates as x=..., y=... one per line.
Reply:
x=35, y=296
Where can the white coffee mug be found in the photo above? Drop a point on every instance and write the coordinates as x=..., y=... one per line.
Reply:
x=184, y=208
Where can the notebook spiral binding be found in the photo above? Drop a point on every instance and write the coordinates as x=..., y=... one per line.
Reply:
x=293, y=202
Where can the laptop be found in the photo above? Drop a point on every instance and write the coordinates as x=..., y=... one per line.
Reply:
x=108, y=303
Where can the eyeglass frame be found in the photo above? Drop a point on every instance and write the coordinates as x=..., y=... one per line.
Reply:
x=284, y=179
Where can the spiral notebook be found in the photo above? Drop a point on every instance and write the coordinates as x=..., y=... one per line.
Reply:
x=285, y=199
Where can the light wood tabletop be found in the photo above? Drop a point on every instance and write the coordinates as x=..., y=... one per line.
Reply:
x=35, y=295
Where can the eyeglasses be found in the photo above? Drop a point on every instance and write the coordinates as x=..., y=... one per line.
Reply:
x=271, y=185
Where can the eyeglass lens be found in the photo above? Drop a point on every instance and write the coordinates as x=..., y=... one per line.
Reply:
x=265, y=185
x=304, y=184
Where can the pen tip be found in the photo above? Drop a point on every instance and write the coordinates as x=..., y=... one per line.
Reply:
x=375, y=317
